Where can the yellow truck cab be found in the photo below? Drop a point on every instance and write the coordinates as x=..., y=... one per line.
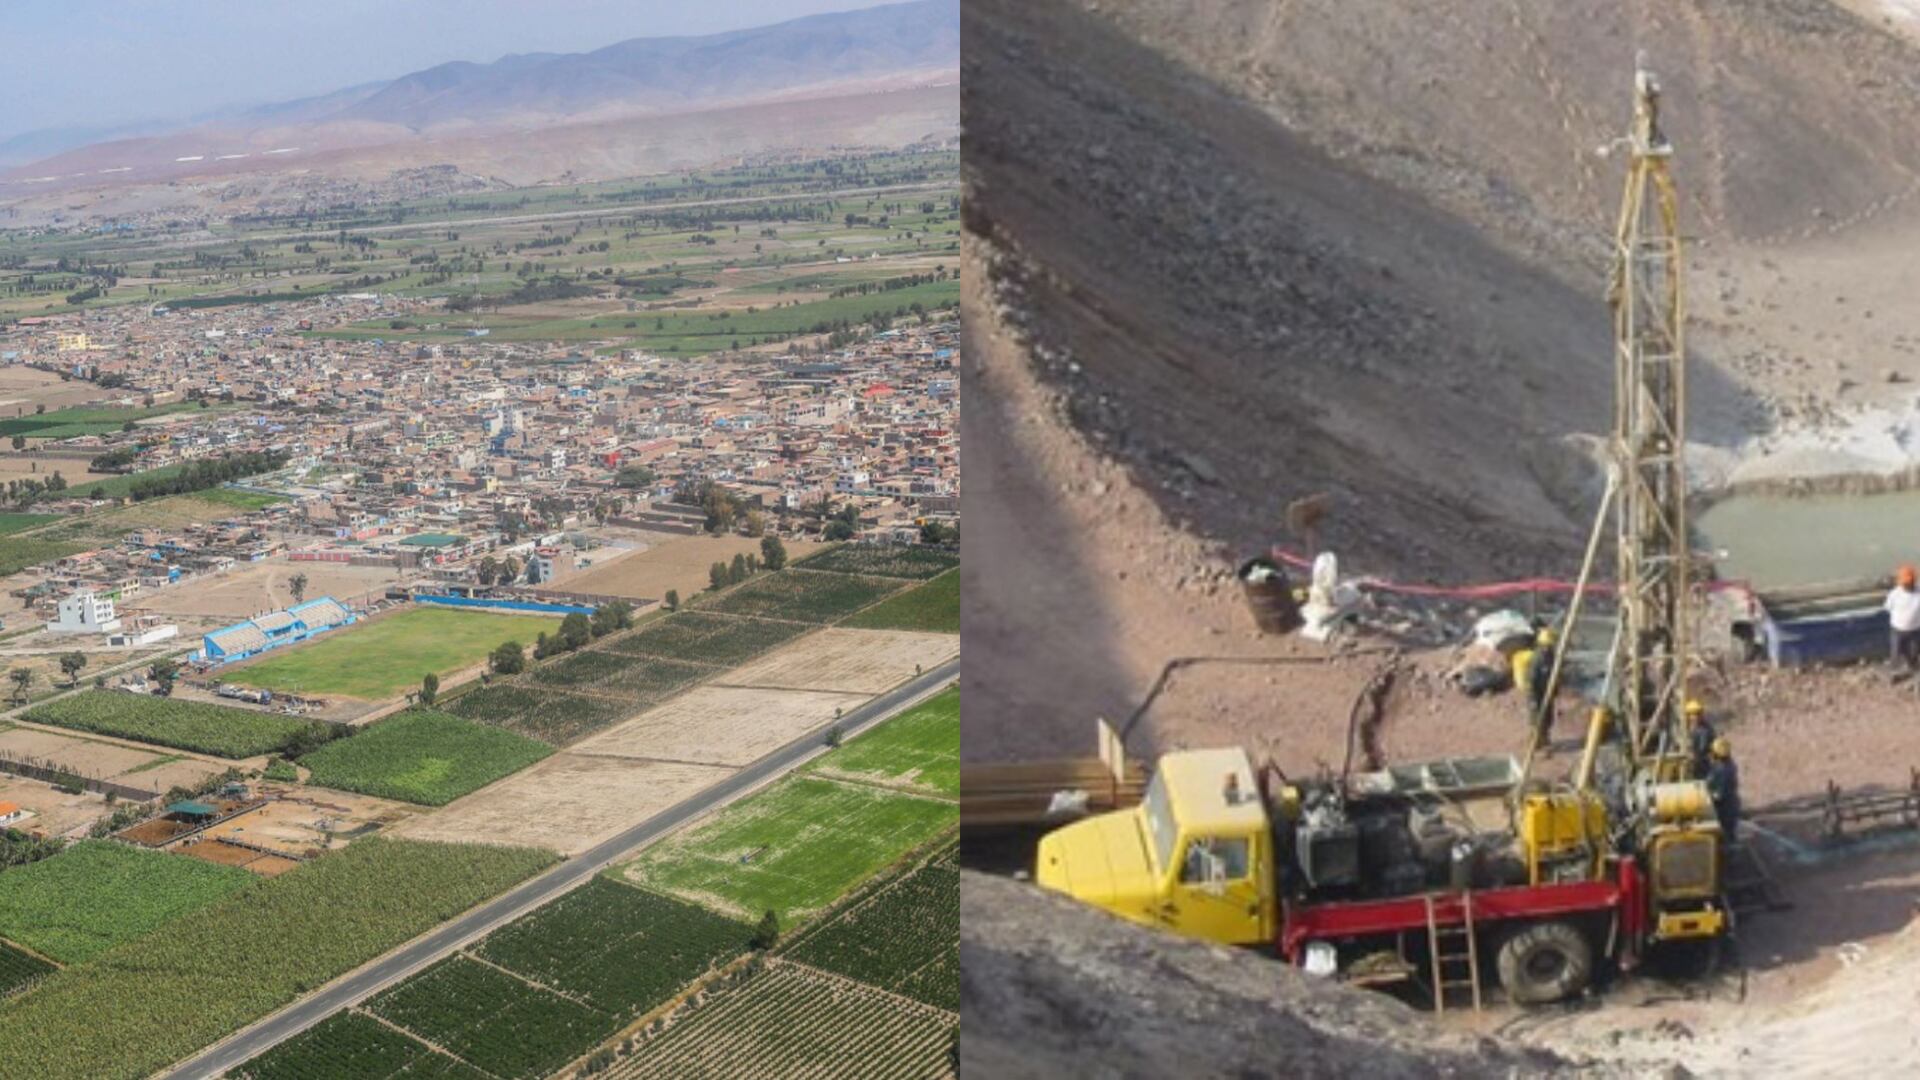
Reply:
x=1196, y=855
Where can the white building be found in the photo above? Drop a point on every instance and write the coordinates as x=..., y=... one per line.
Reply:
x=85, y=613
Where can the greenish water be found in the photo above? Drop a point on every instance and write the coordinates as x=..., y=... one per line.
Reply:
x=1777, y=540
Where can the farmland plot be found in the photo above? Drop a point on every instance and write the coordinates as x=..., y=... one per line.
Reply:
x=883, y=560
x=719, y=725
x=788, y=1020
x=98, y=893
x=901, y=933
x=503, y=1025
x=351, y=1046
x=803, y=596
x=552, y=716
x=793, y=848
x=638, y=679
x=119, y=1014
x=18, y=970
x=188, y=725
x=847, y=661
x=933, y=607
x=620, y=949
x=706, y=637
x=919, y=748
x=421, y=756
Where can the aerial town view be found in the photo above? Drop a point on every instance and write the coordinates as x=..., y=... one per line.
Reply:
x=480, y=545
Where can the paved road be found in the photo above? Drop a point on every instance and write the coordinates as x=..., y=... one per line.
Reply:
x=421, y=952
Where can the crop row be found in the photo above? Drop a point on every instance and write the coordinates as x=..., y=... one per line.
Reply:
x=886, y=560
x=619, y=948
x=803, y=595
x=421, y=756
x=931, y=607
x=701, y=636
x=785, y=1020
x=642, y=681
x=121, y=1014
x=552, y=716
x=17, y=969
x=902, y=935
x=99, y=893
x=492, y=1020
x=187, y=725
x=350, y=1046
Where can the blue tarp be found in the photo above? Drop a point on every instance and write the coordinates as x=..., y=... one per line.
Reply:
x=505, y=605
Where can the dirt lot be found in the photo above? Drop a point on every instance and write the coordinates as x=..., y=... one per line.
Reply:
x=719, y=725
x=73, y=470
x=672, y=562
x=846, y=661
x=107, y=761
x=21, y=388
x=258, y=587
x=568, y=802
x=292, y=822
x=56, y=812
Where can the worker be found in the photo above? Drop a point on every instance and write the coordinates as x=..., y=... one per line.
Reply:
x=1723, y=786
x=1539, y=675
x=1903, y=615
x=1700, y=736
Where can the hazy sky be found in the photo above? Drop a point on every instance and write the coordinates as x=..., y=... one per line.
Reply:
x=100, y=62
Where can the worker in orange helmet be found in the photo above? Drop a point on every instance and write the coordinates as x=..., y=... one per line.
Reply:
x=1903, y=618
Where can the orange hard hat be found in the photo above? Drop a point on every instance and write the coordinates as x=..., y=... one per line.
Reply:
x=1905, y=575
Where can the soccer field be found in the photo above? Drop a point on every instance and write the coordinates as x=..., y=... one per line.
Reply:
x=389, y=655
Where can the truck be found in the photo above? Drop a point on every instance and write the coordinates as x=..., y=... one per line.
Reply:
x=1417, y=872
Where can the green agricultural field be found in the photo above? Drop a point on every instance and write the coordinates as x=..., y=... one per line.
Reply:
x=186, y=725
x=420, y=756
x=620, y=949
x=18, y=970
x=390, y=655
x=69, y=423
x=709, y=638
x=552, y=716
x=99, y=893
x=802, y=596
x=239, y=500
x=119, y=1015
x=351, y=1046
x=788, y=1020
x=882, y=560
x=920, y=748
x=642, y=681
x=13, y=523
x=933, y=607
x=17, y=553
x=900, y=932
x=793, y=848
x=492, y=1020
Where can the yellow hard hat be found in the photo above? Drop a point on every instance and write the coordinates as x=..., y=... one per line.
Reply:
x=1722, y=748
x=1546, y=635
x=1694, y=707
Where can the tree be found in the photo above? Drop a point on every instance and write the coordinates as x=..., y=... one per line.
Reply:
x=297, y=585
x=934, y=532
x=608, y=617
x=756, y=523
x=634, y=476
x=509, y=658
x=717, y=576
x=838, y=530
x=488, y=570
x=737, y=572
x=429, y=688
x=542, y=646
x=19, y=442
x=163, y=672
x=767, y=934
x=773, y=552
x=71, y=664
x=575, y=631
x=22, y=679
x=673, y=599
x=509, y=571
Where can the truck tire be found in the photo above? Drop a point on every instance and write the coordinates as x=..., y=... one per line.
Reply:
x=1544, y=963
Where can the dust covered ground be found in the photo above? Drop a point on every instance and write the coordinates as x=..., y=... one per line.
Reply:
x=666, y=562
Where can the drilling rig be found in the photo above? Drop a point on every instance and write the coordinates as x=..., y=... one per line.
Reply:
x=1424, y=871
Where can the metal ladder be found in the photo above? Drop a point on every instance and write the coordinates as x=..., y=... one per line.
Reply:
x=1442, y=959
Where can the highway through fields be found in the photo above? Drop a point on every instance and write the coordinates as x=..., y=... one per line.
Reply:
x=377, y=975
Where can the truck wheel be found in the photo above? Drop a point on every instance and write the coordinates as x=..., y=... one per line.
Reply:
x=1544, y=963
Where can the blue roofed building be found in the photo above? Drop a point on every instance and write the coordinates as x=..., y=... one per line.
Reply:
x=251, y=637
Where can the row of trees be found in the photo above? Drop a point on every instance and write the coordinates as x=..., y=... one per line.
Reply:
x=576, y=630
x=773, y=556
